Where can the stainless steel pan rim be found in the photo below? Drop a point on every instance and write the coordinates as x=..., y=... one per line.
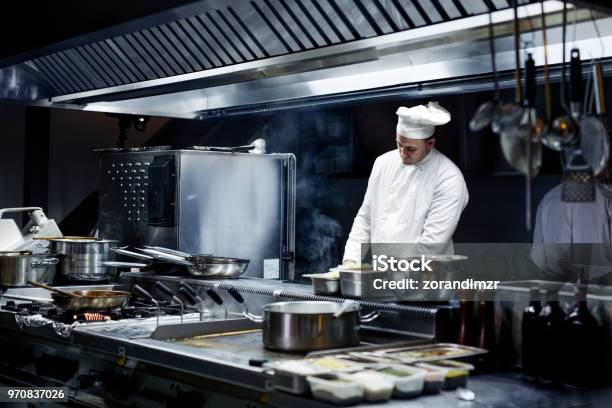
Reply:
x=308, y=307
x=92, y=300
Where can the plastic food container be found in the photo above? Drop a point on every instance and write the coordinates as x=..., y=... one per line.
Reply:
x=335, y=390
x=433, y=381
x=408, y=381
x=455, y=373
x=290, y=376
x=376, y=386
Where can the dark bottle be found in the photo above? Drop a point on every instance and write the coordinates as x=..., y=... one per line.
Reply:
x=530, y=338
x=585, y=345
x=552, y=354
x=485, y=335
x=466, y=322
x=486, y=325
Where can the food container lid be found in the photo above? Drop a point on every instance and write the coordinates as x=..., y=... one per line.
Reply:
x=448, y=367
x=409, y=371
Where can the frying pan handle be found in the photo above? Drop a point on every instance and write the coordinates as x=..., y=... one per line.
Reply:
x=530, y=82
x=214, y=296
x=575, y=77
x=187, y=296
x=236, y=295
x=139, y=291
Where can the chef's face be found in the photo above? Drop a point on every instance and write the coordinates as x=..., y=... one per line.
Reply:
x=412, y=151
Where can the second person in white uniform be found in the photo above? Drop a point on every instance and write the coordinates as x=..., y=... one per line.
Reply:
x=414, y=197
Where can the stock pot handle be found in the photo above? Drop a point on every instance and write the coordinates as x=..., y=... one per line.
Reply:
x=45, y=263
x=369, y=316
x=253, y=318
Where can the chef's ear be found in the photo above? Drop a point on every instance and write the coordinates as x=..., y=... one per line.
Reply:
x=430, y=141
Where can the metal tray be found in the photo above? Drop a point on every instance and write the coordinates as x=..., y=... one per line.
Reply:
x=454, y=351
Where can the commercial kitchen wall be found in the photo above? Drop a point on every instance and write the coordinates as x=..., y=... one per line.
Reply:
x=72, y=175
x=12, y=127
x=335, y=148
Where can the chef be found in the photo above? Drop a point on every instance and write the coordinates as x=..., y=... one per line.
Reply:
x=415, y=194
x=573, y=239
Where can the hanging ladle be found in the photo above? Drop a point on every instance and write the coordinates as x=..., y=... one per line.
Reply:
x=489, y=110
x=594, y=139
x=561, y=131
x=511, y=113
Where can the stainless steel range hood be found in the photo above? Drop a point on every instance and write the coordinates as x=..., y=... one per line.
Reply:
x=219, y=57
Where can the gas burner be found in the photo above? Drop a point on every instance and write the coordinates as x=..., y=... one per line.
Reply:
x=136, y=310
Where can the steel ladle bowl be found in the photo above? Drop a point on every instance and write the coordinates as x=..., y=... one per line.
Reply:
x=560, y=133
x=514, y=149
x=485, y=115
x=508, y=116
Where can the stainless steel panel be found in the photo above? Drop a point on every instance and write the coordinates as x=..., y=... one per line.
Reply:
x=122, y=212
x=231, y=206
x=234, y=205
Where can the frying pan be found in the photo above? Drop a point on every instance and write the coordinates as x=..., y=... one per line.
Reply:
x=205, y=265
x=92, y=300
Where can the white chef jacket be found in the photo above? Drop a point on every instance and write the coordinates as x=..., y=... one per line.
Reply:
x=560, y=225
x=416, y=204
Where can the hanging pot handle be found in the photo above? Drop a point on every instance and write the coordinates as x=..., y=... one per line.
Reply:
x=576, y=93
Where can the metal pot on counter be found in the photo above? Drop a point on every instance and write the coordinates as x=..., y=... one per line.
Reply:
x=307, y=326
x=83, y=258
x=17, y=268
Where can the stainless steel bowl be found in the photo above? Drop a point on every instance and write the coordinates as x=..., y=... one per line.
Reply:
x=325, y=286
x=359, y=284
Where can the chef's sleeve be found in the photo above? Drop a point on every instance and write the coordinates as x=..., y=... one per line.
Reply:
x=361, y=230
x=449, y=200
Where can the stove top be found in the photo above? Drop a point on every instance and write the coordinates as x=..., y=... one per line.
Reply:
x=136, y=310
